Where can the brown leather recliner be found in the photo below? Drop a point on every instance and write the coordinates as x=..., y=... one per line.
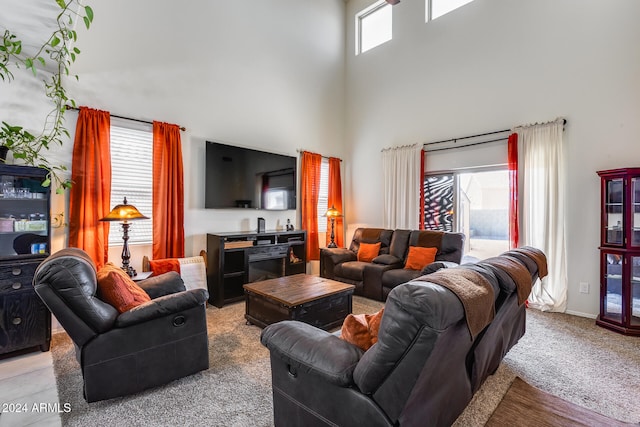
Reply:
x=119, y=354
x=342, y=264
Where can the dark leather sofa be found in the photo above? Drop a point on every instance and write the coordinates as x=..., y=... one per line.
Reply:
x=423, y=371
x=119, y=354
x=377, y=278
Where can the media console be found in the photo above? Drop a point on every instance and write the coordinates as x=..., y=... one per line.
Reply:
x=234, y=259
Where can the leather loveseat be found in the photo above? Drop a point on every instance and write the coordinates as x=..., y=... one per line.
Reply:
x=377, y=278
x=425, y=366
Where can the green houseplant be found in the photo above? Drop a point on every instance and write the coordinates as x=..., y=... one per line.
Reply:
x=55, y=56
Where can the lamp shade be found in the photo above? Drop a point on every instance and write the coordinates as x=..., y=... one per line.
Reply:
x=124, y=212
x=332, y=212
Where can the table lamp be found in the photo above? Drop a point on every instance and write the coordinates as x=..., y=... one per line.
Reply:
x=332, y=213
x=125, y=213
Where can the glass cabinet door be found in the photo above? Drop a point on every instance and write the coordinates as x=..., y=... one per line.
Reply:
x=635, y=211
x=24, y=221
x=612, y=287
x=635, y=290
x=614, y=220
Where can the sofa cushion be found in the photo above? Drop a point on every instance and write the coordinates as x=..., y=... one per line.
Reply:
x=116, y=288
x=352, y=270
x=368, y=251
x=419, y=257
x=361, y=330
x=399, y=243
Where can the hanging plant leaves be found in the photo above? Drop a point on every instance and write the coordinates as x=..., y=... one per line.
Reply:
x=23, y=144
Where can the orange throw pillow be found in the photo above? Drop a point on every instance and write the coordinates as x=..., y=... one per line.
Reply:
x=419, y=257
x=115, y=287
x=161, y=266
x=368, y=251
x=361, y=329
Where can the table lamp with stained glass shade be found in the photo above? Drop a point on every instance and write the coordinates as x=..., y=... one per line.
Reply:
x=332, y=213
x=125, y=213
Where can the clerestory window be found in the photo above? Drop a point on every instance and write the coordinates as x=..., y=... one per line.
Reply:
x=436, y=8
x=373, y=26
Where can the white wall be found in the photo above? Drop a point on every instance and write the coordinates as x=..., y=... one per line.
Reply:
x=265, y=75
x=495, y=64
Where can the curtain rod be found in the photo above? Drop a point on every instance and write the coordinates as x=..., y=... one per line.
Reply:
x=467, y=137
x=466, y=145
x=454, y=140
x=300, y=150
x=69, y=107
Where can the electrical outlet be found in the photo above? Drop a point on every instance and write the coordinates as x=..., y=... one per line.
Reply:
x=584, y=287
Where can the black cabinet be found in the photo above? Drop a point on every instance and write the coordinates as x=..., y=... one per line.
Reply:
x=24, y=242
x=238, y=258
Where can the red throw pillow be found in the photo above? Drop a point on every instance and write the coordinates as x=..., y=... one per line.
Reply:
x=368, y=251
x=361, y=329
x=115, y=287
x=419, y=257
x=160, y=266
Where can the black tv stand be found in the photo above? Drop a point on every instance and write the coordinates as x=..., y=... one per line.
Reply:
x=234, y=259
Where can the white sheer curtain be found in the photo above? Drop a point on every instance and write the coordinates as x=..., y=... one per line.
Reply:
x=542, y=168
x=402, y=182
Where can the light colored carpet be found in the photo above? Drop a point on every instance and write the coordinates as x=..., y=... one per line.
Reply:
x=572, y=358
x=564, y=355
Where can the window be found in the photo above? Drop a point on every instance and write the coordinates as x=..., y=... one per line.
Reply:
x=437, y=8
x=473, y=202
x=323, y=197
x=373, y=26
x=131, y=177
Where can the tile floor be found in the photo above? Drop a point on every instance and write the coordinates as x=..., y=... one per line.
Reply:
x=28, y=392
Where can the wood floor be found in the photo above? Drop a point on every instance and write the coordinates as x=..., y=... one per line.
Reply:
x=28, y=392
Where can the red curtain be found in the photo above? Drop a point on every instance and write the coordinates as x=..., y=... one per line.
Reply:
x=335, y=199
x=90, y=196
x=512, y=148
x=421, y=204
x=311, y=164
x=168, y=192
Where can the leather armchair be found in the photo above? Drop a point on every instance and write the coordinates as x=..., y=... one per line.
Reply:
x=119, y=354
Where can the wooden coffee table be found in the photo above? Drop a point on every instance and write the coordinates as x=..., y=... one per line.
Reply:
x=321, y=302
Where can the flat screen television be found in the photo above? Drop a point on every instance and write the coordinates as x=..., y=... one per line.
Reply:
x=239, y=177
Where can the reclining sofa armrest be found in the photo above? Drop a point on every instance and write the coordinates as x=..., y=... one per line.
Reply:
x=338, y=255
x=163, y=284
x=312, y=350
x=330, y=257
x=389, y=260
x=162, y=306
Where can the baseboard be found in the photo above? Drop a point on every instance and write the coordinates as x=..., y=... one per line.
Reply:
x=578, y=313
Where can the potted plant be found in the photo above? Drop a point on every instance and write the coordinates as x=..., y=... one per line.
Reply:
x=57, y=53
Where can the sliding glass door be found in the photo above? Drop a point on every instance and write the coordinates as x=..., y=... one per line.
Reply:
x=474, y=202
